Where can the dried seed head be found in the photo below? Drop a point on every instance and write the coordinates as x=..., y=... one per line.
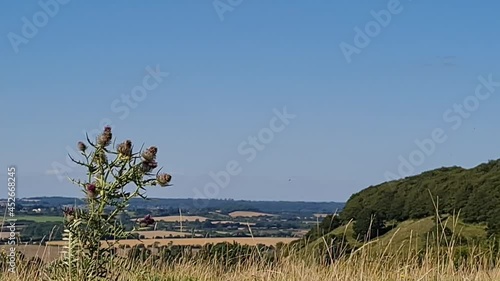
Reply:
x=163, y=179
x=104, y=139
x=81, y=146
x=125, y=149
x=150, y=154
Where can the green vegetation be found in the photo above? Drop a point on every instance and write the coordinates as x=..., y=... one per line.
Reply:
x=474, y=194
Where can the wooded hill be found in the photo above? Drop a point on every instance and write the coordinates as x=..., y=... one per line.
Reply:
x=471, y=194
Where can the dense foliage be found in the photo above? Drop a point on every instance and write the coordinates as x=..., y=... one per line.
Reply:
x=474, y=193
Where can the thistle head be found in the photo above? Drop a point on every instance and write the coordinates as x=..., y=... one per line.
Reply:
x=125, y=149
x=81, y=146
x=150, y=154
x=104, y=139
x=69, y=214
x=147, y=221
x=147, y=167
x=91, y=190
x=163, y=179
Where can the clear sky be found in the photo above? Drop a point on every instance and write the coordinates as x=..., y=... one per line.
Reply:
x=67, y=68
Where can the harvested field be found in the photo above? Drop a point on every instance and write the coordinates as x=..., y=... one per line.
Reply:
x=46, y=253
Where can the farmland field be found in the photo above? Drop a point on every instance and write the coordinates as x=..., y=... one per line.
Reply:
x=46, y=253
x=233, y=222
x=200, y=241
x=162, y=233
x=237, y=214
x=178, y=218
x=6, y=234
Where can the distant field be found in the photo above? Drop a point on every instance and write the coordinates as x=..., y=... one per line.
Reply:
x=321, y=215
x=6, y=234
x=178, y=218
x=163, y=233
x=46, y=253
x=39, y=218
x=231, y=222
x=249, y=214
x=200, y=241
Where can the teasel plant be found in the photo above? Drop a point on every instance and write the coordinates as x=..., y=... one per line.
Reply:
x=114, y=177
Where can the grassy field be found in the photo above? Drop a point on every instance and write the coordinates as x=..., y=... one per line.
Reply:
x=359, y=266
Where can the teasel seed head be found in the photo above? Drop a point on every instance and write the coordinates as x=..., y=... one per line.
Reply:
x=163, y=179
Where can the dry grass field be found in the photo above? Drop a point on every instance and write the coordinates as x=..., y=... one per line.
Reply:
x=4, y=235
x=361, y=266
x=46, y=253
x=243, y=214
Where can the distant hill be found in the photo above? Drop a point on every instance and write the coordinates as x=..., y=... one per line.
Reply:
x=475, y=193
x=190, y=205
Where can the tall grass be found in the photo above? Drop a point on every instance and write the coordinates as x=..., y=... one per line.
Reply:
x=372, y=261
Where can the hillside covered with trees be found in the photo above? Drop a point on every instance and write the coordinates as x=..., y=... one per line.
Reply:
x=474, y=194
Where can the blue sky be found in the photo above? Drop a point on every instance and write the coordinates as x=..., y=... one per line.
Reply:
x=229, y=69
